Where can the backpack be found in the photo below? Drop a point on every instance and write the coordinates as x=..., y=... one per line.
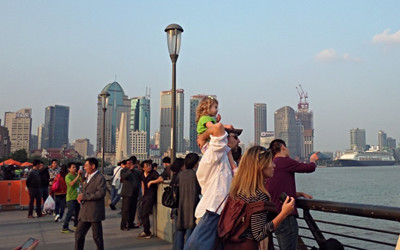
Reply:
x=170, y=197
x=236, y=215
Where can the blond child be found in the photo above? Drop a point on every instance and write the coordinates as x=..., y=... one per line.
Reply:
x=206, y=117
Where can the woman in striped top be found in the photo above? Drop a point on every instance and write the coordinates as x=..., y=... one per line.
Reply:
x=249, y=185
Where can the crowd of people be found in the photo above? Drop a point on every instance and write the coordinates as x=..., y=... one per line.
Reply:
x=205, y=185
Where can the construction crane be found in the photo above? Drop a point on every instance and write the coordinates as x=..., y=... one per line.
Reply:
x=303, y=104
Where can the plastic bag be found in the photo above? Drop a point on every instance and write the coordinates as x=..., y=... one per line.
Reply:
x=49, y=204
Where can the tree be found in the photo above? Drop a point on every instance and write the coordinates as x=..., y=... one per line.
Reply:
x=20, y=155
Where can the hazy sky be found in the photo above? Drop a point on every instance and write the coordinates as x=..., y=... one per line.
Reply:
x=344, y=53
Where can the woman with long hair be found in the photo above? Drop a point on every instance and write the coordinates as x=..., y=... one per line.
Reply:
x=249, y=185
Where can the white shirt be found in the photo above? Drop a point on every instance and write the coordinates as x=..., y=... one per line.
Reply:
x=214, y=175
x=116, y=174
x=90, y=176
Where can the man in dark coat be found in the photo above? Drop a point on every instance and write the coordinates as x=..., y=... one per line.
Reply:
x=33, y=185
x=189, y=191
x=129, y=193
x=93, y=210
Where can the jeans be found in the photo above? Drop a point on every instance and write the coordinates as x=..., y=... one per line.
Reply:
x=205, y=234
x=179, y=238
x=114, y=196
x=287, y=232
x=73, y=208
x=60, y=204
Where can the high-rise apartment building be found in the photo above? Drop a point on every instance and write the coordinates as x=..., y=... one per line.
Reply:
x=19, y=125
x=56, y=126
x=118, y=103
x=382, y=140
x=83, y=147
x=260, y=121
x=305, y=117
x=357, y=139
x=166, y=120
x=139, y=121
x=290, y=130
x=194, y=102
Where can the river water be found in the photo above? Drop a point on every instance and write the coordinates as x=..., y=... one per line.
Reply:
x=362, y=185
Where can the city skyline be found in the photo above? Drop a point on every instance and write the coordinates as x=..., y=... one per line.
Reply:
x=345, y=54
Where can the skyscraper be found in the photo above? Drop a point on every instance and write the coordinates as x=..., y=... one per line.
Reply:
x=260, y=121
x=56, y=123
x=306, y=119
x=139, y=126
x=194, y=102
x=289, y=130
x=19, y=125
x=165, y=120
x=357, y=139
x=382, y=140
x=118, y=103
x=391, y=143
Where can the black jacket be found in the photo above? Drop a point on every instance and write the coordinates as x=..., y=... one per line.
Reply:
x=33, y=180
x=130, y=182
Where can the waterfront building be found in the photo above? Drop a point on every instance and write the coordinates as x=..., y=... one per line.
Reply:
x=5, y=142
x=83, y=147
x=260, y=121
x=382, y=140
x=165, y=120
x=194, y=102
x=139, y=121
x=19, y=125
x=118, y=103
x=139, y=145
x=288, y=129
x=266, y=138
x=391, y=143
x=56, y=124
x=357, y=139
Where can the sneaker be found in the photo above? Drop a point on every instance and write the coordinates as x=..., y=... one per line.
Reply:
x=56, y=218
x=144, y=235
x=66, y=230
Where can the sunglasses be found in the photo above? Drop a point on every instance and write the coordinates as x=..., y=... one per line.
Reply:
x=264, y=152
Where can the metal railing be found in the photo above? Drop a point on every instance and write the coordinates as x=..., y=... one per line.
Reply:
x=356, y=226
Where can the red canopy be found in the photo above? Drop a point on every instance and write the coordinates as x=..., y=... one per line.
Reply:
x=10, y=162
x=26, y=164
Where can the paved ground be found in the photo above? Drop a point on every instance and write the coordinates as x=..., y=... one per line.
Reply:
x=15, y=228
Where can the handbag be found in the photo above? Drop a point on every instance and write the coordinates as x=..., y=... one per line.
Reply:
x=56, y=185
x=170, y=197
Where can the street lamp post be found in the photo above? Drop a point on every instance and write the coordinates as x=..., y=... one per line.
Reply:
x=174, y=32
x=104, y=103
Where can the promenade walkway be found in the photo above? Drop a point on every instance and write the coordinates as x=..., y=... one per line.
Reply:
x=16, y=228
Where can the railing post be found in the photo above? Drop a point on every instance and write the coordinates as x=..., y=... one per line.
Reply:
x=318, y=236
